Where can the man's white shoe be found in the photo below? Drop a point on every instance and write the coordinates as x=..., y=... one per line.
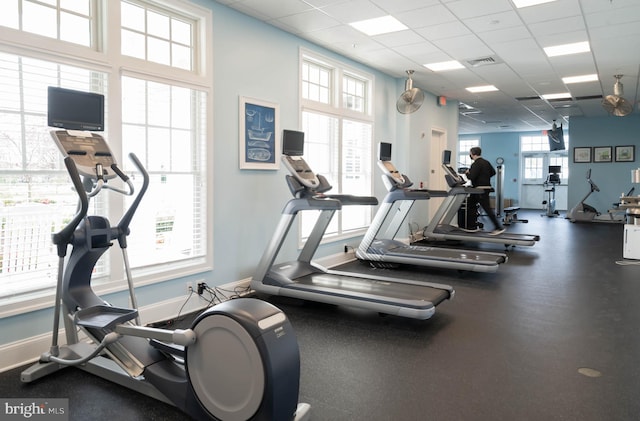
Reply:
x=497, y=231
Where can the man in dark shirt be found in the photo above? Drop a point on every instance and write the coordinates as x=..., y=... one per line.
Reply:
x=480, y=175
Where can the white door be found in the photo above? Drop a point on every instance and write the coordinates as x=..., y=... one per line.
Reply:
x=436, y=173
x=534, y=173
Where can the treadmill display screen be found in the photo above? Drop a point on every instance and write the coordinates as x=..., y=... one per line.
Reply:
x=385, y=151
x=75, y=110
x=446, y=157
x=292, y=143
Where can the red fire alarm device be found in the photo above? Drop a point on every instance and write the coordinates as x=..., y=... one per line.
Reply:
x=442, y=101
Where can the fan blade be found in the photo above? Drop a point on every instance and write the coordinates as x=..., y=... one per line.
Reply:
x=410, y=101
x=617, y=105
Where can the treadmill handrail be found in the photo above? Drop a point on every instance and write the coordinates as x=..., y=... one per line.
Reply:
x=294, y=206
x=349, y=199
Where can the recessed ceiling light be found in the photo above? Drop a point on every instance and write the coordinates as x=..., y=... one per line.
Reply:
x=566, y=49
x=562, y=95
x=444, y=65
x=526, y=3
x=381, y=25
x=580, y=79
x=485, y=88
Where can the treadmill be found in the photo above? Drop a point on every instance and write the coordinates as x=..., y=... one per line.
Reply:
x=440, y=227
x=307, y=280
x=379, y=244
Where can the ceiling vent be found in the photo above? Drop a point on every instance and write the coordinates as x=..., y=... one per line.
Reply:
x=483, y=61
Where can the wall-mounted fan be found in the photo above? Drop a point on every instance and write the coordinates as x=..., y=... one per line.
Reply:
x=615, y=104
x=411, y=99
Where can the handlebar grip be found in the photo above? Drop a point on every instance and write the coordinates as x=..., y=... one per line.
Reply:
x=63, y=237
x=120, y=174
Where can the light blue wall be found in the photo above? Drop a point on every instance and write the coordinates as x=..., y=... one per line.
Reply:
x=612, y=178
x=256, y=60
x=507, y=146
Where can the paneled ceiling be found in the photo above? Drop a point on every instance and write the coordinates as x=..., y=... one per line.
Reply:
x=497, y=43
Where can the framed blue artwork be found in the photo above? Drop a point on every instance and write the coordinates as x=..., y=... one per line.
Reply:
x=259, y=134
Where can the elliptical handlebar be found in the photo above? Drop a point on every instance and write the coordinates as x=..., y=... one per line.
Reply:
x=63, y=237
x=123, y=225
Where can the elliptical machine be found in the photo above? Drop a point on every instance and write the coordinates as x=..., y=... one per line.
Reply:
x=583, y=212
x=238, y=361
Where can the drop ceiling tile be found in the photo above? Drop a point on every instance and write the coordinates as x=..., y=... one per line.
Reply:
x=427, y=16
x=312, y=20
x=353, y=11
x=443, y=31
x=465, y=9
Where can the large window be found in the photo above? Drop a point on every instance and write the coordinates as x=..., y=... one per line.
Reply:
x=537, y=157
x=157, y=95
x=336, y=119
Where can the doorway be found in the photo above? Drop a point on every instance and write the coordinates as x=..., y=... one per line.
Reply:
x=436, y=173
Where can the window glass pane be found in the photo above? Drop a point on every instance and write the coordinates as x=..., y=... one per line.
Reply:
x=79, y=6
x=180, y=56
x=533, y=167
x=353, y=95
x=158, y=25
x=9, y=16
x=132, y=16
x=36, y=196
x=180, y=32
x=39, y=19
x=133, y=44
x=356, y=171
x=76, y=29
x=158, y=51
x=171, y=219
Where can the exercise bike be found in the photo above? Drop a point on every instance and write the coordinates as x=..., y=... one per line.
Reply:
x=239, y=360
x=583, y=212
x=553, y=179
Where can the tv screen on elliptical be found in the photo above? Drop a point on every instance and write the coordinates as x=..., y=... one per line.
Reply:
x=384, y=153
x=292, y=143
x=75, y=110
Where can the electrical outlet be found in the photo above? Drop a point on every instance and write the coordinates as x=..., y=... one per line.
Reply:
x=201, y=287
x=189, y=287
x=346, y=248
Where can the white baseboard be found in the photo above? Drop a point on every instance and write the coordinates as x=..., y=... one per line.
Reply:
x=28, y=350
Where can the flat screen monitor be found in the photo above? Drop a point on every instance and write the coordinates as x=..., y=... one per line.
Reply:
x=75, y=110
x=292, y=143
x=446, y=157
x=384, y=152
x=556, y=138
x=555, y=169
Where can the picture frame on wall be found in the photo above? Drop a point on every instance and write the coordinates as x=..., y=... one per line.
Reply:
x=581, y=154
x=625, y=153
x=602, y=154
x=259, y=134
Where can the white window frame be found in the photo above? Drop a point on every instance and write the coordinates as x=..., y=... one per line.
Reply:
x=335, y=108
x=464, y=146
x=104, y=56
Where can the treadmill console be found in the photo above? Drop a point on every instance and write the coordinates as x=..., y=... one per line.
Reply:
x=384, y=162
x=299, y=168
x=390, y=171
